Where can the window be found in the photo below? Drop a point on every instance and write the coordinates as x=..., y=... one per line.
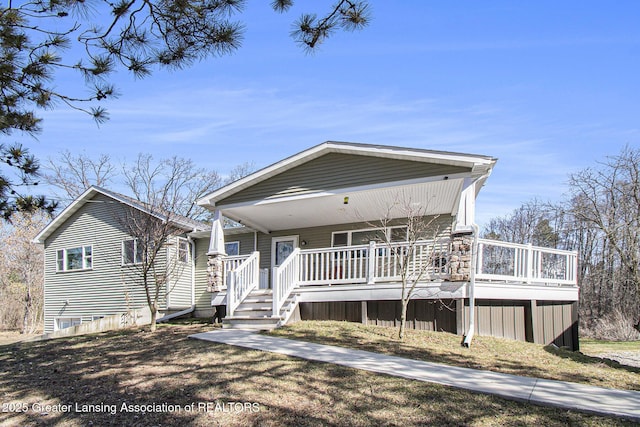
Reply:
x=363, y=237
x=67, y=322
x=183, y=250
x=132, y=252
x=80, y=258
x=232, y=248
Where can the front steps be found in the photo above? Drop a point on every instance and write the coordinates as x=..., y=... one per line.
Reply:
x=255, y=312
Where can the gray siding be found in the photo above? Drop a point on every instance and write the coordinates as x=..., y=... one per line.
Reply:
x=180, y=283
x=335, y=170
x=108, y=288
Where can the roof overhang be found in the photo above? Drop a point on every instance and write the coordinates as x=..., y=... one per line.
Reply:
x=433, y=196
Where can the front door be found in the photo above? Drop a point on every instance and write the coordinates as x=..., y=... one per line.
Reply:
x=281, y=248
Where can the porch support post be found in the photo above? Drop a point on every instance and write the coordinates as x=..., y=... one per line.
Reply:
x=215, y=255
x=466, y=212
x=371, y=267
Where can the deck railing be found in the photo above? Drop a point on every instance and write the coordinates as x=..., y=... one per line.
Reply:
x=513, y=262
x=376, y=263
x=242, y=280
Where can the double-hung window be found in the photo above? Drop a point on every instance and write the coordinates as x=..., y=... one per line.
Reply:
x=69, y=259
x=132, y=252
x=183, y=250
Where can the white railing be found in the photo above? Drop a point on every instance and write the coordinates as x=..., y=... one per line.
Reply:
x=427, y=260
x=230, y=263
x=242, y=280
x=286, y=277
x=512, y=262
x=422, y=261
x=348, y=264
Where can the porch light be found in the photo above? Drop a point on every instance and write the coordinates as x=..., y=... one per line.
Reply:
x=346, y=200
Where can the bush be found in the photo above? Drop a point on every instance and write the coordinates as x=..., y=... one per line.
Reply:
x=616, y=326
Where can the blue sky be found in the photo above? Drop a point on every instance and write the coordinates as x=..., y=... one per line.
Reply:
x=547, y=87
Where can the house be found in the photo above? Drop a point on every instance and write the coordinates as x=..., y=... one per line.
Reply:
x=92, y=263
x=325, y=233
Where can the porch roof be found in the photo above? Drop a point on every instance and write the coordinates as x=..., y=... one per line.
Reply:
x=436, y=193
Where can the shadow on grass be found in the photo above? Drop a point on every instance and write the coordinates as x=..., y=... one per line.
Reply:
x=579, y=357
x=154, y=371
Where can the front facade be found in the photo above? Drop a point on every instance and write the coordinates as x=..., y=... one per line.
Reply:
x=330, y=226
x=325, y=234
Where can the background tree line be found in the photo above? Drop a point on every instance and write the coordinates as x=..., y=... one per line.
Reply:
x=600, y=218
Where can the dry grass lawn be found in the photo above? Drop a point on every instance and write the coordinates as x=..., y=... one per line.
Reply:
x=179, y=382
x=494, y=354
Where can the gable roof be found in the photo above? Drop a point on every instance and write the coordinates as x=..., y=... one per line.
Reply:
x=479, y=164
x=183, y=222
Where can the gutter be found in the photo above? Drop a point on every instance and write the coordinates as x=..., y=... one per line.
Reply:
x=472, y=285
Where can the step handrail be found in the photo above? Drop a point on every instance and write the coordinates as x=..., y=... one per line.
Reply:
x=241, y=281
x=286, y=277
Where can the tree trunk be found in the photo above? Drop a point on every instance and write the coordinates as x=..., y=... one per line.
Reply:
x=27, y=311
x=403, y=318
x=154, y=315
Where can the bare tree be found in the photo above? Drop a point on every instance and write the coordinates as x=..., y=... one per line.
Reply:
x=73, y=174
x=608, y=199
x=412, y=247
x=172, y=184
x=165, y=191
x=21, y=273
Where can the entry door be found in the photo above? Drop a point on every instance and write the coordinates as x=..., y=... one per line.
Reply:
x=281, y=248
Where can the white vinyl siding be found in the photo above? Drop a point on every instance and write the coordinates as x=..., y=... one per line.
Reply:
x=78, y=258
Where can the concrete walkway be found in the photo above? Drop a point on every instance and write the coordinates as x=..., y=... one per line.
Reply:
x=560, y=394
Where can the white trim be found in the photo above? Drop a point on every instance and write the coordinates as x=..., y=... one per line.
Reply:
x=184, y=240
x=65, y=266
x=135, y=252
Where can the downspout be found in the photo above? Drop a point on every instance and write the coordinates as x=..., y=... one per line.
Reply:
x=192, y=243
x=472, y=286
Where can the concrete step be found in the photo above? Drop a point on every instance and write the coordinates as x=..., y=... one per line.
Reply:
x=253, y=323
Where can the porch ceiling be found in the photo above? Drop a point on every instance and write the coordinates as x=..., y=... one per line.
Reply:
x=365, y=204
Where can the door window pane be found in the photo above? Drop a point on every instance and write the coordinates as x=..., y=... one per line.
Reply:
x=283, y=250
